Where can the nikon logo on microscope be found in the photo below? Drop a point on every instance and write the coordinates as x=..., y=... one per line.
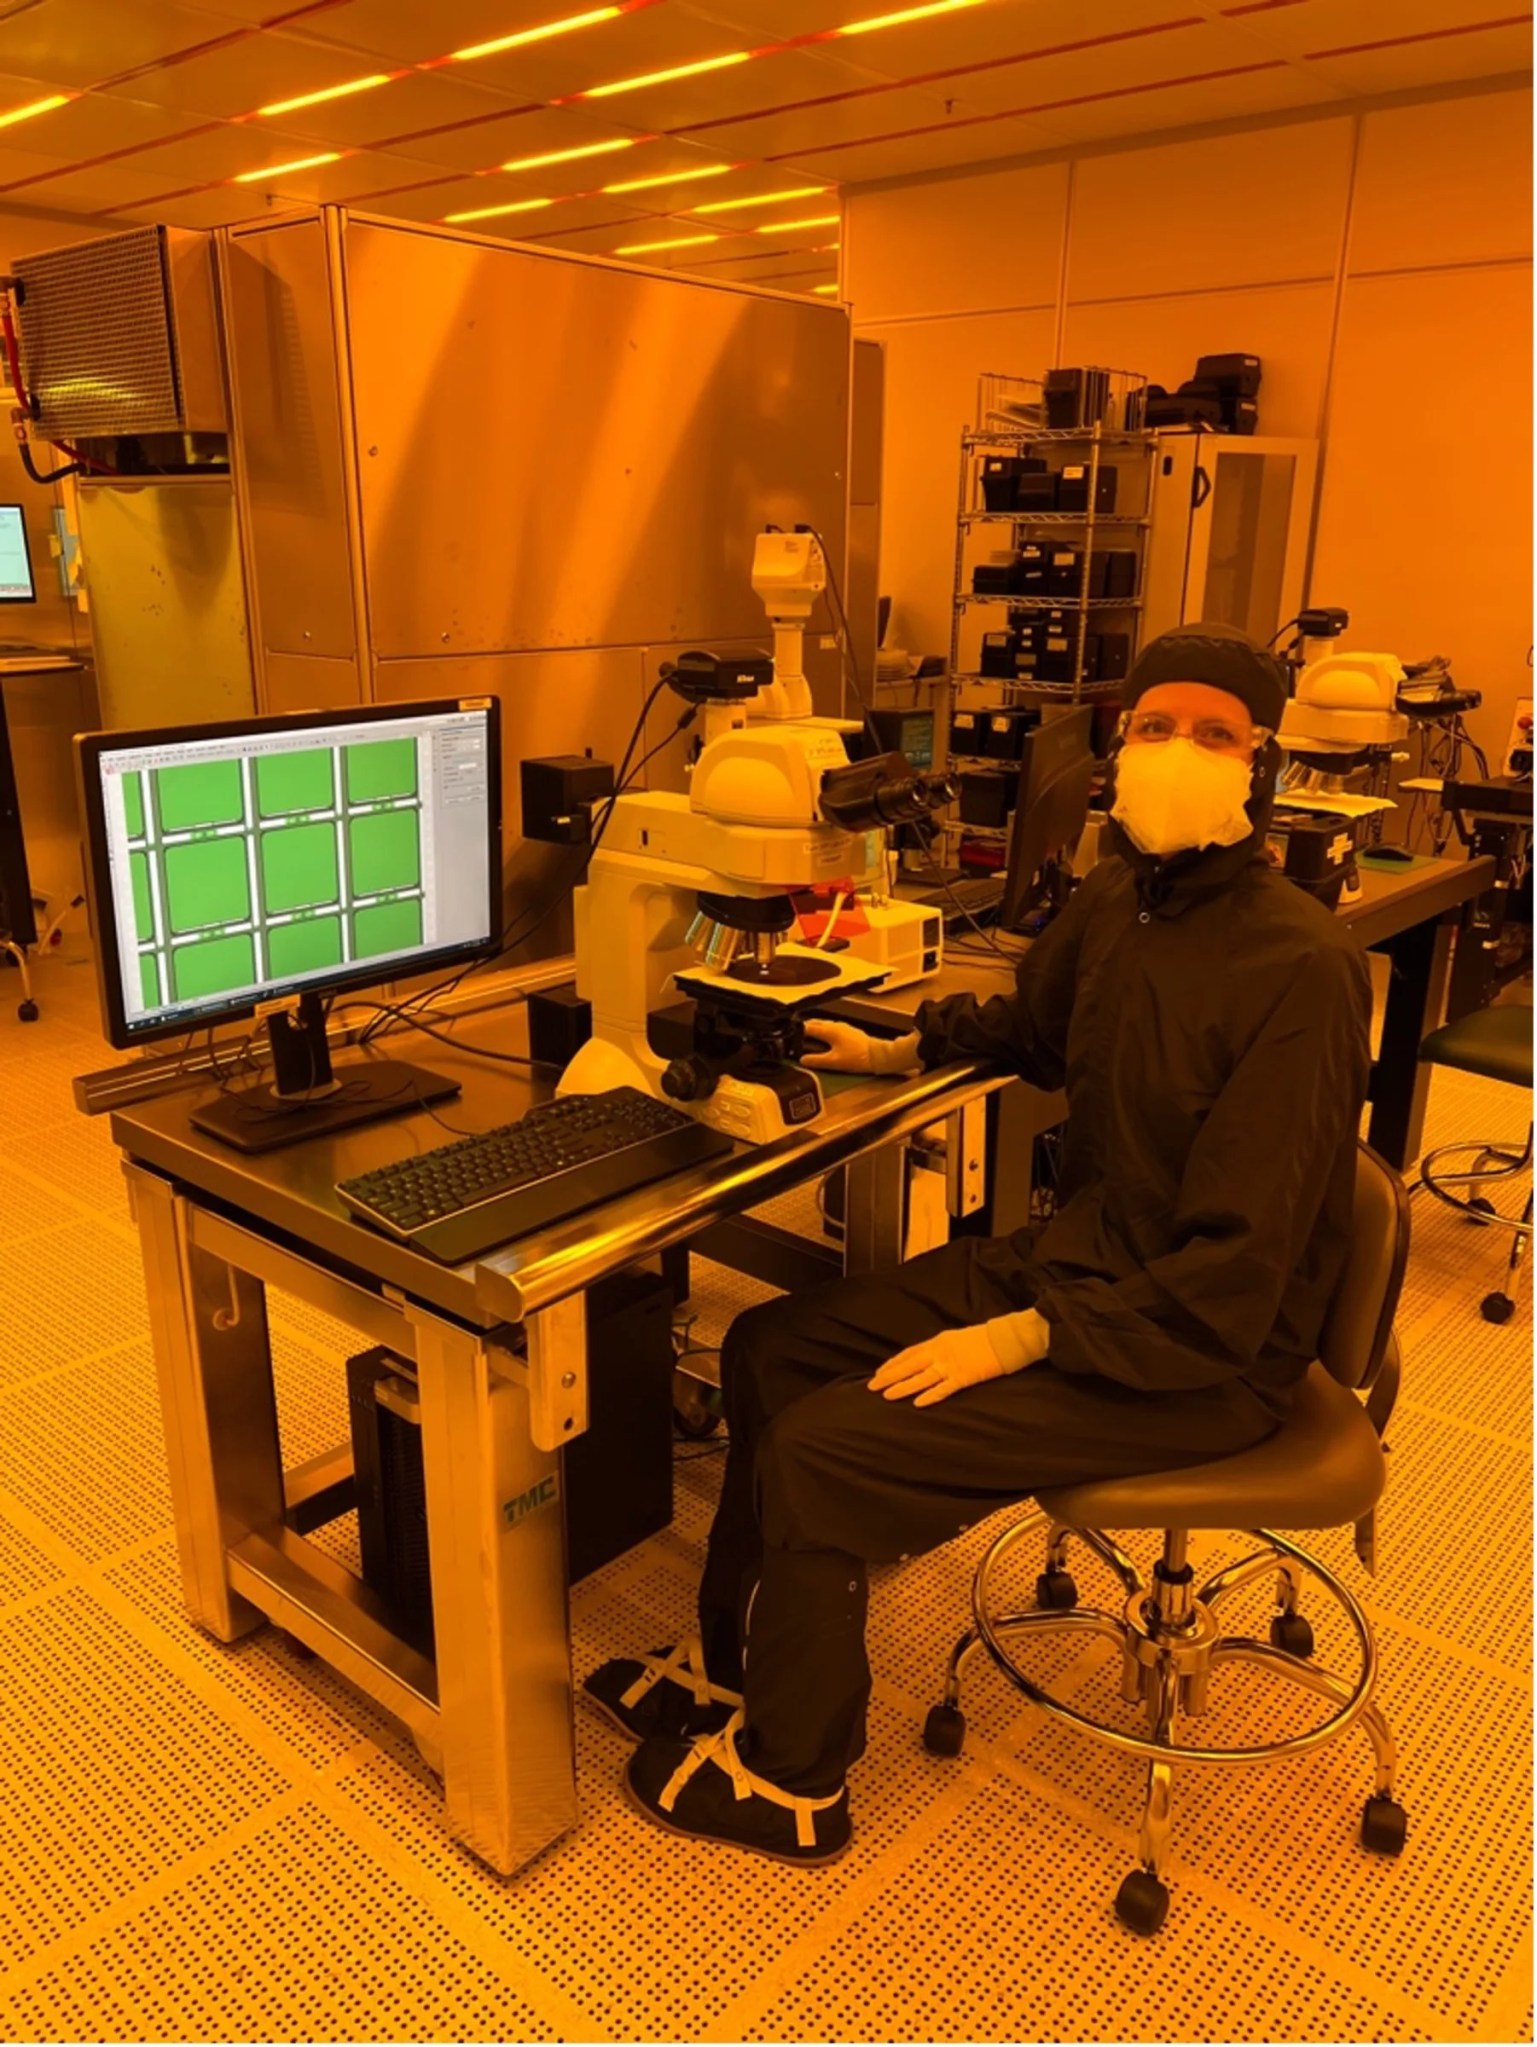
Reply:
x=545, y=1494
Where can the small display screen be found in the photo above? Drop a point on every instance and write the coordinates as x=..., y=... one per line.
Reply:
x=16, y=586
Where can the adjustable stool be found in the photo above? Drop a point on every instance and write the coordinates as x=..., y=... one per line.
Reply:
x=1497, y=1044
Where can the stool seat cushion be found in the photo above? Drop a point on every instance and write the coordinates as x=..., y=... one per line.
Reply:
x=1323, y=1467
x=1494, y=1042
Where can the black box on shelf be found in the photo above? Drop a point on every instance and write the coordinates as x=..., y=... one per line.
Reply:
x=1036, y=491
x=1000, y=479
x=1054, y=657
x=1064, y=572
x=1183, y=408
x=1073, y=488
x=559, y=1023
x=1003, y=735
x=1112, y=657
x=1113, y=572
x=995, y=579
x=966, y=732
x=1075, y=397
x=1238, y=374
x=987, y=796
x=997, y=657
x=1034, y=565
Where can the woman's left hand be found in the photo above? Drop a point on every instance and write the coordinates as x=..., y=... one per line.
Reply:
x=931, y=1371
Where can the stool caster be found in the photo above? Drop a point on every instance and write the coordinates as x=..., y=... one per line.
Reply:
x=944, y=1731
x=1292, y=1632
x=1384, y=1825
x=27, y=1012
x=1497, y=1307
x=1483, y=1205
x=1056, y=1591
x=1142, y=1902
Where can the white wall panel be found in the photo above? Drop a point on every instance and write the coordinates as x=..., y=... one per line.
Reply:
x=1449, y=183
x=1251, y=208
x=962, y=245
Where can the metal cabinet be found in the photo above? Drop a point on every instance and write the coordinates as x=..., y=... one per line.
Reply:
x=1231, y=520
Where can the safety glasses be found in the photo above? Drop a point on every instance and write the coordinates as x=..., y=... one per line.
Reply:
x=1217, y=735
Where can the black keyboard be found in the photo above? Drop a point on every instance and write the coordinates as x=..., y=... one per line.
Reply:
x=468, y=1197
x=971, y=896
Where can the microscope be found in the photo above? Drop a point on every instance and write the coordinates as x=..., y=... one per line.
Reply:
x=687, y=938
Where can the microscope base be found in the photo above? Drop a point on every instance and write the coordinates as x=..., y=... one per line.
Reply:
x=743, y=1109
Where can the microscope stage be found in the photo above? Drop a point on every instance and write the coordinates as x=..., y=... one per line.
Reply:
x=796, y=975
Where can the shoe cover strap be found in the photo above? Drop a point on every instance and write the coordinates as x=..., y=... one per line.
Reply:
x=721, y=1750
x=683, y=1665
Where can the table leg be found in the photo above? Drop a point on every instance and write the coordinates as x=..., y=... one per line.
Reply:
x=497, y=1542
x=208, y=1325
x=1420, y=958
x=875, y=1209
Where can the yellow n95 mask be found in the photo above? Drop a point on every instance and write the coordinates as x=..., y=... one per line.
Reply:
x=1177, y=797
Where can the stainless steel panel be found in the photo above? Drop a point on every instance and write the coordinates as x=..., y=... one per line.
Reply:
x=42, y=713
x=864, y=546
x=167, y=617
x=551, y=703
x=307, y=682
x=189, y=272
x=557, y=453
x=290, y=438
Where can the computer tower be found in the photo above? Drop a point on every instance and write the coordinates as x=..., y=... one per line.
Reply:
x=616, y=1477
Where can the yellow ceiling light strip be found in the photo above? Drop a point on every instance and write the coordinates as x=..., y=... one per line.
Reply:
x=283, y=170
x=535, y=163
x=331, y=92
x=709, y=170
x=789, y=227
x=678, y=242
x=535, y=35
x=824, y=287
x=695, y=70
x=762, y=199
x=491, y=212
x=54, y=99
x=861, y=28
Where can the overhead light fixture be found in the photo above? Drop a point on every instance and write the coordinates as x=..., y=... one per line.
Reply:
x=824, y=287
x=788, y=227
x=678, y=242
x=862, y=28
x=535, y=163
x=55, y=99
x=490, y=212
x=331, y=92
x=709, y=170
x=283, y=170
x=762, y=199
x=535, y=35
x=598, y=92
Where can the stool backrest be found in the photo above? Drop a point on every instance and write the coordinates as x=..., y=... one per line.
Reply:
x=1359, y=1323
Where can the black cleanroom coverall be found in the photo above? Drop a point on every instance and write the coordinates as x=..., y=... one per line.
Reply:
x=1210, y=1021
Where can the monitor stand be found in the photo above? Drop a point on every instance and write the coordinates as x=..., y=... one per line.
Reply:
x=307, y=1098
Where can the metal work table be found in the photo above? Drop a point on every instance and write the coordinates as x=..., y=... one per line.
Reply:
x=499, y=1350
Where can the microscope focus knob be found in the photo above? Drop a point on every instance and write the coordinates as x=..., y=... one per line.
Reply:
x=688, y=1079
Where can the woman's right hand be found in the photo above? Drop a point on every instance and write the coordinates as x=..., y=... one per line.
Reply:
x=851, y=1050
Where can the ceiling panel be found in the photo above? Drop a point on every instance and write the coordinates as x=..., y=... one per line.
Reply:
x=242, y=76
x=1296, y=31
x=552, y=132
x=217, y=207
x=1438, y=62
x=654, y=39
x=412, y=33
x=104, y=189
x=422, y=99
x=935, y=148
x=1180, y=106
x=79, y=42
x=205, y=152
x=96, y=123
x=789, y=129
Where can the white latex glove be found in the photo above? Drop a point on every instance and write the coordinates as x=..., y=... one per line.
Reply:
x=851, y=1050
x=929, y=1372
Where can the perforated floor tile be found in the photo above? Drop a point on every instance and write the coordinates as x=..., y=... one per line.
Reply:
x=290, y=1936
x=26, y=1207
x=24, y=1568
x=66, y=1292
x=84, y=1450
x=113, y=1770
x=78, y=1159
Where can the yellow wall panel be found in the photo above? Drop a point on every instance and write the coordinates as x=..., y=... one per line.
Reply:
x=1446, y=183
x=957, y=245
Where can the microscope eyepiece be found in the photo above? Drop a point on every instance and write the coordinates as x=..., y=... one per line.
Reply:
x=887, y=790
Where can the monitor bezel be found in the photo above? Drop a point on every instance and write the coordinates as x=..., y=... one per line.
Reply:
x=26, y=548
x=125, y=1035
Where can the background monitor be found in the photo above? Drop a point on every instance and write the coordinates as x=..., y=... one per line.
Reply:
x=245, y=863
x=1055, y=776
x=16, y=584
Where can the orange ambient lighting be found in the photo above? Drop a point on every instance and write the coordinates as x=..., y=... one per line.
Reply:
x=534, y=163
x=681, y=242
x=788, y=227
x=331, y=92
x=56, y=99
x=535, y=35
x=490, y=212
x=824, y=287
x=709, y=170
x=598, y=92
x=281, y=170
x=861, y=28
x=762, y=199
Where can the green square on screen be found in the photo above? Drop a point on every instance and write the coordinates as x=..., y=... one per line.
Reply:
x=387, y=927
x=294, y=781
x=143, y=905
x=384, y=851
x=149, y=980
x=212, y=966
x=204, y=793
x=207, y=882
x=381, y=767
x=298, y=866
x=133, y=805
x=301, y=947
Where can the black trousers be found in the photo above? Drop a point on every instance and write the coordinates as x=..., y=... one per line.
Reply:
x=824, y=1477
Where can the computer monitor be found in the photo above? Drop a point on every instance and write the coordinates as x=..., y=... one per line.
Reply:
x=1052, y=808
x=16, y=584
x=276, y=861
